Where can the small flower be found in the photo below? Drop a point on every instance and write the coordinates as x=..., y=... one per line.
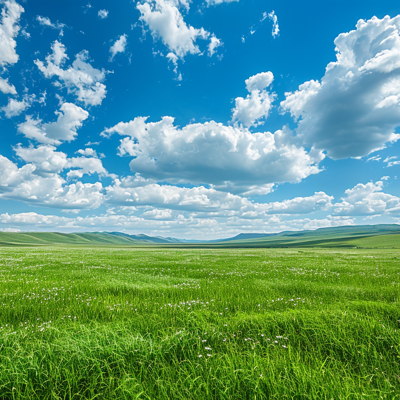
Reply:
x=200, y=355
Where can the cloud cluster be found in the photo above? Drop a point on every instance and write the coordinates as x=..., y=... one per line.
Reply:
x=15, y=107
x=166, y=22
x=368, y=200
x=37, y=184
x=69, y=120
x=355, y=108
x=80, y=78
x=230, y=158
x=9, y=28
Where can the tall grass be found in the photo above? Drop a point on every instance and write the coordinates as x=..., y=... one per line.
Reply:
x=199, y=324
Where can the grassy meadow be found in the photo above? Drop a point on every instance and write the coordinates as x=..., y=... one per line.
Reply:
x=125, y=323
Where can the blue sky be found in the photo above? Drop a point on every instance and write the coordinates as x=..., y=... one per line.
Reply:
x=198, y=119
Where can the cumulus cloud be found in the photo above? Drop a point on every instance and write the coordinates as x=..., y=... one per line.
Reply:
x=367, y=200
x=259, y=81
x=23, y=184
x=87, y=152
x=9, y=28
x=45, y=158
x=81, y=78
x=6, y=87
x=118, y=46
x=48, y=161
x=139, y=192
x=15, y=107
x=230, y=158
x=301, y=205
x=166, y=22
x=355, y=108
x=33, y=219
x=103, y=14
x=83, y=165
x=69, y=120
x=248, y=111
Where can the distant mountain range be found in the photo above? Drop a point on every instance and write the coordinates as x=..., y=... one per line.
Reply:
x=382, y=236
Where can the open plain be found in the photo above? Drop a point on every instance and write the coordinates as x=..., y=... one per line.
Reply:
x=125, y=323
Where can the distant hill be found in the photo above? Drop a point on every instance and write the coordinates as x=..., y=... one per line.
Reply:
x=380, y=236
x=384, y=235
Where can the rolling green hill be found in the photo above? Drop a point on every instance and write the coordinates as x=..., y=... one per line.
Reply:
x=55, y=238
x=369, y=236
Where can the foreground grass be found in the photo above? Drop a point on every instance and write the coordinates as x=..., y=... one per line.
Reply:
x=199, y=324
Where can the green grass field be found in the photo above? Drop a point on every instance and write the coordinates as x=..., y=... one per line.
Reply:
x=109, y=323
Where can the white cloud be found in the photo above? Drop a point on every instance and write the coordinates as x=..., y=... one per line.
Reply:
x=46, y=160
x=214, y=43
x=140, y=192
x=23, y=184
x=87, y=152
x=9, y=29
x=301, y=205
x=33, y=219
x=355, y=108
x=80, y=79
x=15, y=107
x=174, y=59
x=6, y=87
x=275, y=27
x=257, y=104
x=391, y=161
x=102, y=14
x=259, y=81
x=165, y=21
x=84, y=166
x=228, y=157
x=216, y=2
x=13, y=230
x=45, y=21
x=374, y=158
x=367, y=200
x=69, y=120
x=118, y=46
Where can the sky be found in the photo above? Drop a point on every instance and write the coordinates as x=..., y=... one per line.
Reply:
x=198, y=119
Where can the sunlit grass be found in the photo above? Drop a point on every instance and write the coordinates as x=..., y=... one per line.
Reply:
x=199, y=324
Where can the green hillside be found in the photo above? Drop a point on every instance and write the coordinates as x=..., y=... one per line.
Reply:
x=55, y=238
x=369, y=236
